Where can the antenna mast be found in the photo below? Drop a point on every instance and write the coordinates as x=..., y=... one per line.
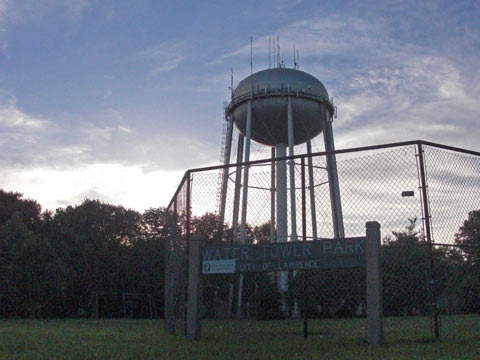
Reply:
x=294, y=58
x=251, y=66
x=231, y=82
x=269, y=52
x=274, y=53
x=251, y=55
x=278, y=52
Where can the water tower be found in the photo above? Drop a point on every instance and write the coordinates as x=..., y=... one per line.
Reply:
x=280, y=107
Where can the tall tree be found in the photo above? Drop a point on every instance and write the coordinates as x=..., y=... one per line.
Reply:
x=93, y=238
x=468, y=262
x=32, y=277
x=468, y=237
x=405, y=271
x=13, y=202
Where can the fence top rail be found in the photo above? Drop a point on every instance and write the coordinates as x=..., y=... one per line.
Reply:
x=299, y=156
x=340, y=151
x=448, y=147
x=335, y=152
x=179, y=187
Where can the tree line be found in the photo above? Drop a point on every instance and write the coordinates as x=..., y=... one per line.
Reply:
x=57, y=264
x=54, y=264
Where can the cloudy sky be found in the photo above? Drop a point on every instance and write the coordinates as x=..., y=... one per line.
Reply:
x=115, y=99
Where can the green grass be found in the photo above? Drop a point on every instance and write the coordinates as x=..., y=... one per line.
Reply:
x=406, y=338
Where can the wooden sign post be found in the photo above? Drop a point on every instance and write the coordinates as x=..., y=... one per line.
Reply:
x=194, y=321
x=374, y=284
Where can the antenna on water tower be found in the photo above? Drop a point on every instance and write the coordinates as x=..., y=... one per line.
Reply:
x=231, y=82
x=275, y=60
x=278, y=52
x=269, y=53
x=296, y=66
x=294, y=58
x=251, y=55
x=251, y=65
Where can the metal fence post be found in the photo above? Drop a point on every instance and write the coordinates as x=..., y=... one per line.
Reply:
x=169, y=288
x=428, y=233
x=187, y=245
x=95, y=305
x=124, y=305
x=170, y=277
x=194, y=326
x=150, y=306
x=304, y=238
x=374, y=284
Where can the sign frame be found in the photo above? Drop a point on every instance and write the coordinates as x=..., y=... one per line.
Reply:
x=287, y=256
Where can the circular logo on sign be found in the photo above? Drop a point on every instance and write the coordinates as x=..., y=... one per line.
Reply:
x=206, y=268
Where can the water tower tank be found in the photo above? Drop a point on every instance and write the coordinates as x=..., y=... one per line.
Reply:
x=269, y=90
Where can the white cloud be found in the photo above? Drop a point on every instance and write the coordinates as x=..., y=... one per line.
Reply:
x=94, y=132
x=120, y=184
x=171, y=152
x=31, y=139
x=339, y=35
x=113, y=163
x=161, y=57
x=3, y=14
x=426, y=97
x=34, y=10
x=107, y=136
x=74, y=9
x=3, y=7
x=11, y=116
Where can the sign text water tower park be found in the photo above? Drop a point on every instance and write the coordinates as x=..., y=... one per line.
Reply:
x=287, y=256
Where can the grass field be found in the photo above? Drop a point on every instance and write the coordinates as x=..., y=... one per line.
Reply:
x=406, y=338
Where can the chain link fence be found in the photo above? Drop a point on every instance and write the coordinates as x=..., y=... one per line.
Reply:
x=425, y=196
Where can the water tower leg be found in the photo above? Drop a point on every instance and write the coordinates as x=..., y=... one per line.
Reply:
x=272, y=198
x=311, y=183
x=282, y=216
x=293, y=203
x=333, y=176
x=243, y=224
x=236, y=203
x=291, y=165
x=238, y=186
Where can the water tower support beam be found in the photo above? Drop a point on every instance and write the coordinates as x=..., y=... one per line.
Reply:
x=282, y=216
x=236, y=202
x=272, y=197
x=238, y=185
x=248, y=135
x=281, y=151
x=333, y=184
x=311, y=184
x=291, y=163
x=243, y=224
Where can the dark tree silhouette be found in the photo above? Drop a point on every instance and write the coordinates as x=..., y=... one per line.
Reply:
x=467, y=262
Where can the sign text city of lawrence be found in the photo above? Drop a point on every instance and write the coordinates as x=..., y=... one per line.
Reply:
x=286, y=256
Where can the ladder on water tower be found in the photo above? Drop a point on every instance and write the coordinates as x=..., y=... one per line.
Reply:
x=222, y=156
